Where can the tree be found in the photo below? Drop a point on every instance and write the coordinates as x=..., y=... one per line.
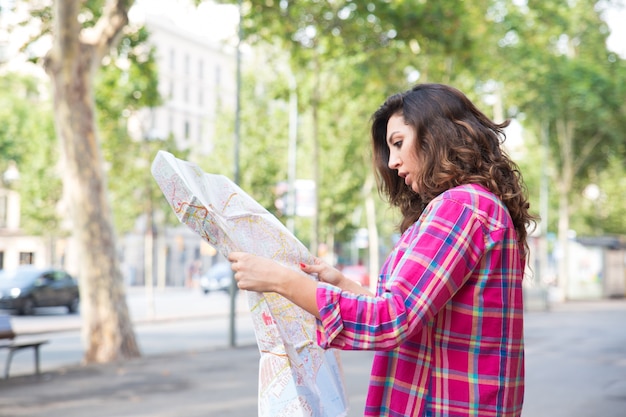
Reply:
x=27, y=137
x=570, y=89
x=346, y=58
x=75, y=56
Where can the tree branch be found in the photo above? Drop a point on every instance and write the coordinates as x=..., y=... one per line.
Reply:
x=108, y=28
x=586, y=151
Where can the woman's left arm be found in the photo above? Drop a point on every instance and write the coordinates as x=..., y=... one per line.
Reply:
x=255, y=273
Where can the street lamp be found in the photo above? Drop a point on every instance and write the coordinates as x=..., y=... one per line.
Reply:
x=11, y=175
x=10, y=200
x=233, y=286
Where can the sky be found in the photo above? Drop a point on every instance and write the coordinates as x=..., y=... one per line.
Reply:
x=616, y=19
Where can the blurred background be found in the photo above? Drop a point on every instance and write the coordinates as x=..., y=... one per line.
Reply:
x=277, y=96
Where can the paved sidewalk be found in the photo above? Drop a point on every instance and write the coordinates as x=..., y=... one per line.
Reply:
x=221, y=382
x=576, y=367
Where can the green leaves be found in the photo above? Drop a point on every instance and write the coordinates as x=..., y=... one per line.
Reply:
x=27, y=136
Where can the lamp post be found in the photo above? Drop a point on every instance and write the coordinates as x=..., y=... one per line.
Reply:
x=148, y=137
x=11, y=215
x=11, y=175
x=148, y=251
x=233, y=285
x=293, y=143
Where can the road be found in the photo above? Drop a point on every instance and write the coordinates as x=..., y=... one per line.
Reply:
x=575, y=362
x=196, y=321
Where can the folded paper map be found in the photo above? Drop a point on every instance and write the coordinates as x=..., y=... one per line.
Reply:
x=296, y=376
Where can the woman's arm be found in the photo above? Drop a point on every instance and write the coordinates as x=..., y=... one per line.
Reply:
x=254, y=273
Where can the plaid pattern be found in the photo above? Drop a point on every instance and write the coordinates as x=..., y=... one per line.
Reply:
x=447, y=322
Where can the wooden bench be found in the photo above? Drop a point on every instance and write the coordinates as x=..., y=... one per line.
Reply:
x=7, y=341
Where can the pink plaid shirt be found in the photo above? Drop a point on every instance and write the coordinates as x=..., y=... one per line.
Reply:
x=447, y=321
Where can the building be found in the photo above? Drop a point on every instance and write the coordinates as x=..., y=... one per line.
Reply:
x=197, y=80
x=196, y=73
x=17, y=247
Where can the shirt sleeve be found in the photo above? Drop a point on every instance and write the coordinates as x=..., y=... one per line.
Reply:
x=432, y=261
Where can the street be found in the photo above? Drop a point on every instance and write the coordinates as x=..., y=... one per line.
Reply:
x=576, y=361
x=196, y=321
x=575, y=365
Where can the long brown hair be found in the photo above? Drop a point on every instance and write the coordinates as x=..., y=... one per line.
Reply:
x=456, y=144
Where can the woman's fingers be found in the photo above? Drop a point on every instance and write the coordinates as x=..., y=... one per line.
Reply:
x=254, y=273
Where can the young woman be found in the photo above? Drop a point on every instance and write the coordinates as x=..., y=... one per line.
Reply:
x=446, y=321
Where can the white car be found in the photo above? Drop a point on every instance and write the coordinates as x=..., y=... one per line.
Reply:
x=217, y=278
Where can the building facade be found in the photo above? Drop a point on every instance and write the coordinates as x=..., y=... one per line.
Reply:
x=17, y=247
x=197, y=81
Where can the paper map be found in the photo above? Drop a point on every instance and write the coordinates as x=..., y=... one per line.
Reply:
x=296, y=376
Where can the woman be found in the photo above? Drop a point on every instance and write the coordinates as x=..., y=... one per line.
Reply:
x=447, y=319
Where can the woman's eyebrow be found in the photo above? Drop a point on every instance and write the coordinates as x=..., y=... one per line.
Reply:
x=391, y=136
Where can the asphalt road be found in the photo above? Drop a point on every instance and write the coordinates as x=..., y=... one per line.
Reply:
x=575, y=367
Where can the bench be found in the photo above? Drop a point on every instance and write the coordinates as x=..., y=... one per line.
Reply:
x=7, y=341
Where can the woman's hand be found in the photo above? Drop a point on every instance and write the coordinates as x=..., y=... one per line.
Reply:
x=324, y=272
x=330, y=275
x=255, y=273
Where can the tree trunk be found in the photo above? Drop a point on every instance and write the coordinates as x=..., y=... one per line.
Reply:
x=107, y=328
x=315, y=102
x=565, y=134
x=563, y=230
x=372, y=231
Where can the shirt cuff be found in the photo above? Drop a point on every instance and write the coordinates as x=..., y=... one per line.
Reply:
x=330, y=323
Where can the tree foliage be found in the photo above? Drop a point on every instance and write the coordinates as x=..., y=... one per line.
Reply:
x=27, y=137
x=127, y=89
x=346, y=58
x=546, y=61
x=570, y=88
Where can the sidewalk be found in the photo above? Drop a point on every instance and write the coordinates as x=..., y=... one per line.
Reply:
x=576, y=367
x=163, y=307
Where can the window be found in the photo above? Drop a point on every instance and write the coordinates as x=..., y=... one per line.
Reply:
x=218, y=75
x=27, y=258
x=200, y=69
x=187, y=129
x=3, y=210
x=1, y=260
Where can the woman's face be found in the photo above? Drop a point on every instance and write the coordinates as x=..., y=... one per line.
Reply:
x=401, y=139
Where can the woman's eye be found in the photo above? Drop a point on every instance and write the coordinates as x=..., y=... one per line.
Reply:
x=398, y=144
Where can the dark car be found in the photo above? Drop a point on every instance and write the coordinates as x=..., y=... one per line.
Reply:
x=27, y=287
x=217, y=278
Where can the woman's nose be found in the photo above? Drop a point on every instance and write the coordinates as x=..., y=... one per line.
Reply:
x=394, y=161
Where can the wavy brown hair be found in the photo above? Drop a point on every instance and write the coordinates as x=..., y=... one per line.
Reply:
x=456, y=144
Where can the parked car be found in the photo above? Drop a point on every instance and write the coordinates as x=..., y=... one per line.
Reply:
x=27, y=287
x=357, y=273
x=217, y=278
